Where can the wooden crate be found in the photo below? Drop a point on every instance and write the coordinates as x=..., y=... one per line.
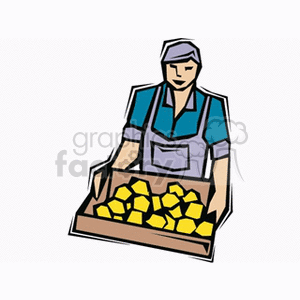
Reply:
x=88, y=224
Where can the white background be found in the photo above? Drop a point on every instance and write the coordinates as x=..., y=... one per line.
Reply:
x=67, y=67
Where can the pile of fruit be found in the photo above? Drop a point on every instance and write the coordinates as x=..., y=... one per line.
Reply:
x=175, y=210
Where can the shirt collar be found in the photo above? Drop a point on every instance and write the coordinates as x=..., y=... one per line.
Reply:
x=168, y=101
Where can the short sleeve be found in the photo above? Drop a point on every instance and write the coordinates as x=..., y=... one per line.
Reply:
x=139, y=108
x=217, y=135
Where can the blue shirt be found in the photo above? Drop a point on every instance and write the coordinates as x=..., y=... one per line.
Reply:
x=186, y=123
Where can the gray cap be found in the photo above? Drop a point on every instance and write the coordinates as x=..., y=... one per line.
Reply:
x=181, y=51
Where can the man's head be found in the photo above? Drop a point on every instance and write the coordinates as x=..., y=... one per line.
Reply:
x=181, y=64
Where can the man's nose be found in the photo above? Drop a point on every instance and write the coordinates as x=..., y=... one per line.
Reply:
x=179, y=71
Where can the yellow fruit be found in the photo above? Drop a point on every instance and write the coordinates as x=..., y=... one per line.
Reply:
x=103, y=211
x=140, y=187
x=176, y=212
x=171, y=223
x=205, y=229
x=123, y=193
x=169, y=200
x=141, y=203
x=116, y=206
x=156, y=203
x=194, y=210
x=156, y=221
x=191, y=196
x=177, y=189
x=135, y=217
x=186, y=226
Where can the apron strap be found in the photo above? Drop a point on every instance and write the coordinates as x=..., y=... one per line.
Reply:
x=153, y=105
x=204, y=118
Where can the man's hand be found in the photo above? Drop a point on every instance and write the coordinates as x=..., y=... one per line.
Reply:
x=96, y=184
x=217, y=204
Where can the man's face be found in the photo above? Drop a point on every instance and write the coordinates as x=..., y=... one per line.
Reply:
x=180, y=75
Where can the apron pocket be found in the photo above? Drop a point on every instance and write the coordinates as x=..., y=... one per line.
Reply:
x=170, y=157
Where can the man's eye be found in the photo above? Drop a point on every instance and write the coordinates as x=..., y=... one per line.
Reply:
x=172, y=66
x=188, y=68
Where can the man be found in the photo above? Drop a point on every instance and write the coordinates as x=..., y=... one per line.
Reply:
x=171, y=127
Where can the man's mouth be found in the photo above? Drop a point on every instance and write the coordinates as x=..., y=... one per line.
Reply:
x=179, y=82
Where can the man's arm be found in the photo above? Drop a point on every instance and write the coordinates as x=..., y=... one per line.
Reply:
x=126, y=155
x=220, y=174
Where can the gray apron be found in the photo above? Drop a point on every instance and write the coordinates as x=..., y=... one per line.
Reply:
x=183, y=157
